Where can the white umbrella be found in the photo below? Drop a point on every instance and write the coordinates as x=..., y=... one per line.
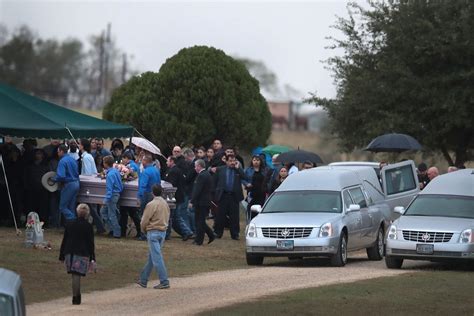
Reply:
x=146, y=144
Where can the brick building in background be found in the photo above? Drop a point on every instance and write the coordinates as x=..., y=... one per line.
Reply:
x=292, y=115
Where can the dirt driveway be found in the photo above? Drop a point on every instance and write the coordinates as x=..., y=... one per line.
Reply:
x=189, y=295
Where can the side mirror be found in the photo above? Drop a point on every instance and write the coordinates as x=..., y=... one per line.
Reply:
x=353, y=208
x=399, y=210
x=256, y=208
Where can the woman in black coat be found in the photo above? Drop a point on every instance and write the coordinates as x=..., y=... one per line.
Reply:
x=78, y=250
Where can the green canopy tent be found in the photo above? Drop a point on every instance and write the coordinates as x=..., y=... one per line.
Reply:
x=23, y=115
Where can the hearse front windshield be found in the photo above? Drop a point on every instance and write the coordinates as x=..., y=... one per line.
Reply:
x=304, y=201
x=442, y=205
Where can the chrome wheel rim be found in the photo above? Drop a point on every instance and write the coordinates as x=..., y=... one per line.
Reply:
x=380, y=243
x=344, y=249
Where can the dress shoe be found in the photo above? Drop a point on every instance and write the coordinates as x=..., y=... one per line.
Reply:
x=141, y=238
x=235, y=238
x=76, y=300
x=211, y=239
x=197, y=244
x=188, y=237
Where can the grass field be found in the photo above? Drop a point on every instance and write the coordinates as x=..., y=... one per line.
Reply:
x=426, y=293
x=119, y=262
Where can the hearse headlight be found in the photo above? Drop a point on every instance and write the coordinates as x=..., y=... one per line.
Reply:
x=466, y=236
x=251, y=230
x=392, y=232
x=325, y=230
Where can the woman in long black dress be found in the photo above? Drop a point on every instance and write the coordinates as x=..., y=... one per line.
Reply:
x=255, y=186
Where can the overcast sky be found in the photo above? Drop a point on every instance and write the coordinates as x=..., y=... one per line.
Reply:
x=289, y=37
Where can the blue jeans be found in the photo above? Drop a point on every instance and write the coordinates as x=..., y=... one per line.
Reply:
x=178, y=222
x=192, y=219
x=156, y=238
x=67, y=201
x=110, y=213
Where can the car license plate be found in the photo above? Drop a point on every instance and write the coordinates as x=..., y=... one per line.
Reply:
x=424, y=249
x=285, y=244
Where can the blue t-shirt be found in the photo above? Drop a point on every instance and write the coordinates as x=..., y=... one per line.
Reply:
x=147, y=179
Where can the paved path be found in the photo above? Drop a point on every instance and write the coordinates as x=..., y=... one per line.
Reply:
x=201, y=292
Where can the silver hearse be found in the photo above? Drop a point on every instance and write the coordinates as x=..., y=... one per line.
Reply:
x=438, y=225
x=328, y=211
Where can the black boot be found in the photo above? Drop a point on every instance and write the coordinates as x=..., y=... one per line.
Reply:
x=76, y=300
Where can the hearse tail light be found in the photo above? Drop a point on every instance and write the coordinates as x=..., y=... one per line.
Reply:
x=392, y=232
x=325, y=230
x=466, y=236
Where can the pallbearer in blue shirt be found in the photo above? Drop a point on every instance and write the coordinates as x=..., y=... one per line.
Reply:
x=88, y=164
x=113, y=189
x=89, y=169
x=149, y=176
x=133, y=212
x=68, y=174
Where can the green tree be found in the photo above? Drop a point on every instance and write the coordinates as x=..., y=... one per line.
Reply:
x=47, y=68
x=198, y=94
x=407, y=66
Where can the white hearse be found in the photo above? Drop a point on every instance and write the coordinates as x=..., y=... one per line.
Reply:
x=438, y=225
x=327, y=211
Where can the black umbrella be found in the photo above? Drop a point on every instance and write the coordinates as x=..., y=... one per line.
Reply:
x=393, y=143
x=299, y=156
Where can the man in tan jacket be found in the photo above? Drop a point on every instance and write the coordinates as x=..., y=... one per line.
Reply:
x=155, y=222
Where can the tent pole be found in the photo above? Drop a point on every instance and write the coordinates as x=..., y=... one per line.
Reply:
x=73, y=138
x=9, y=195
x=139, y=133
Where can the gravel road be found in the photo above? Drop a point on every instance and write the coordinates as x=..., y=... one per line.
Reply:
x=189, y=295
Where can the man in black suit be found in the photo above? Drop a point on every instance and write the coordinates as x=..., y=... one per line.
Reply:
x=201, y=200
x=174, y=175
x=229, y=194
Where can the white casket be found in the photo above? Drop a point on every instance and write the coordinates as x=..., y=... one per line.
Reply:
x=92, y=191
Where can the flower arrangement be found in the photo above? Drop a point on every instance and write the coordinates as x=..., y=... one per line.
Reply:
x=126, y=173
x=30, y=223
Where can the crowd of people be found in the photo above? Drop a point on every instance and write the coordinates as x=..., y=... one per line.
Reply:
x=25, y=166
x=425, y=174
x=209, y=183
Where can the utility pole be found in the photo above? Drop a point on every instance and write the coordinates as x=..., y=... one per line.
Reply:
x=100, y=84
x=106, y=62
x=124, y=68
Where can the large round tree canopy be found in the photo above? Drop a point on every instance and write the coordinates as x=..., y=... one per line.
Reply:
x=199, y=94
